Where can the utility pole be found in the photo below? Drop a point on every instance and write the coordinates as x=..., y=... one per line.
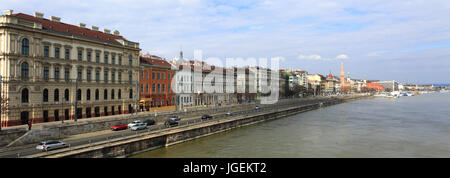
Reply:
x=76, y=97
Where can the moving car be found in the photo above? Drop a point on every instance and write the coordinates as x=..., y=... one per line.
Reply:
x=171, y=122
x=51, y=144
x=257, y=107
x=229, y=113
x=134, y=123
x=139, y=126
x=119, y=126
x=175, y=118
x=149, y=122
x=206, y=116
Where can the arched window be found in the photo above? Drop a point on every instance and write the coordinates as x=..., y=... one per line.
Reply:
x=96, y=94
x=56, y=95
x=66, y=95
x=79, y=95
x=24, y=71
x=25, y=95
x=112, y=94
x=88, y=94
x=25, y=47
x=105, y=94
x=45, y=95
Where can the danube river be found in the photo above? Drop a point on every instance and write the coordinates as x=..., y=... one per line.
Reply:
x=416, y=126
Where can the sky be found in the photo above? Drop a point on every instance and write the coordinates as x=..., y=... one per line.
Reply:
x=406, y=41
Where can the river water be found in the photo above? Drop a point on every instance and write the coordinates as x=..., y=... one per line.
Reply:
x=416, y=126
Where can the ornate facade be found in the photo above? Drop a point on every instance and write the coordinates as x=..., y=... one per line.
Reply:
x=48, y=67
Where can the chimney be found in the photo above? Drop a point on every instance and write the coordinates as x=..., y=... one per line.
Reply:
x=94, y=28
x=117, y=33
x=55, y=19
x=106, y=31
x=82, y=25
x=7, y=12
x=38, y=15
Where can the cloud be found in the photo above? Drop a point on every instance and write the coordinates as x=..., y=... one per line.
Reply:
x=310, y=57
x=342, y=56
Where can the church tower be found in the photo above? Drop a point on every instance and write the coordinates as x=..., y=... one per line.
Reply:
x=342, y=77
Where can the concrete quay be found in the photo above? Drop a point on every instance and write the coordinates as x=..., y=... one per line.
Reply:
x=129, y=145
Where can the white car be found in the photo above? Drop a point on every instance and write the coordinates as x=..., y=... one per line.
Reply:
x=134, y=123
x=51, y=144
x=139, y=126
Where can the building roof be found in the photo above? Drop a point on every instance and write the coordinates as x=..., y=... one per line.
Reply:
x=64, y=28
x=154, y=60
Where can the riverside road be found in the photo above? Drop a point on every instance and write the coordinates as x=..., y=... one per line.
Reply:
x=93, y=137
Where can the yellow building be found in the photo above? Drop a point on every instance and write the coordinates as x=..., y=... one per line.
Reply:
x=41, y=60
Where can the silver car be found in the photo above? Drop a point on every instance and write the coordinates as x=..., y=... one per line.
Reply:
x=134, y=123
x=51, y=144
x=139, y=126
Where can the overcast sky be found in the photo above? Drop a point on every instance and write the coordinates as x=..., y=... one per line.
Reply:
x=407, y=41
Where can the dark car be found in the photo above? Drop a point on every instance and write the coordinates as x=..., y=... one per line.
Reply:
x=171, y=123
x=175, y=118
x=206, y=116
x=149, y=122
x=119, y=126
x=257, y=107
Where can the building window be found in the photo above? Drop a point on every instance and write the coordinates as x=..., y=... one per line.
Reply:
x=112, y=94
x=56, y=115
x=56, y=73
x=45, y=115
x=67, y=54
x=142, y=88
x=97, y=57
x=113, y=76
x=106, y=58
x=97, y=75
x=24, y=71
x=146, y=88
x=80, y=55
x=88, y=75
x=119, y=95
x=25, y=95
x=79, y=95
x=97, y=94
x=163, y=88
x=158, y=91
x=153, y=75
x=146, y=75
x=105, y=76
x=158, y=76
x=67, y=74
x=79, y=74
x=46, y=73
x=25, y=47
x=56, y=95
x=66, y=95
x=45, y=95
x=131, y=93
x=153, y=87
x=57, y=55
x=120, y=60
x=113, y=59
x=105, y=94
x=89, y=54
x=119, y=75
x=130, y=60
x=130, y=77
x=46, y=51
x=88, y=94
x=163, y=76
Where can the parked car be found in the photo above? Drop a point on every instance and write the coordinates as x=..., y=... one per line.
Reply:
x=51, y=144
x=134, y=123
x=139, y=126
x=119, y=126
x=170, y=123
x=257, y=107
x=149, y=122
x=206, y=116
x=175, y=118
x=229, y=113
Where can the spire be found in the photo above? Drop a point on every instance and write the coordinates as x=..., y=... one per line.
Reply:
x=181, y=52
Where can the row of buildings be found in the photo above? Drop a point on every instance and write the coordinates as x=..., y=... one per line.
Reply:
x=53, y=71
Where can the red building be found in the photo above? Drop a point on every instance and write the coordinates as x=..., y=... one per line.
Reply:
x=377, y=87
x=155, y=77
